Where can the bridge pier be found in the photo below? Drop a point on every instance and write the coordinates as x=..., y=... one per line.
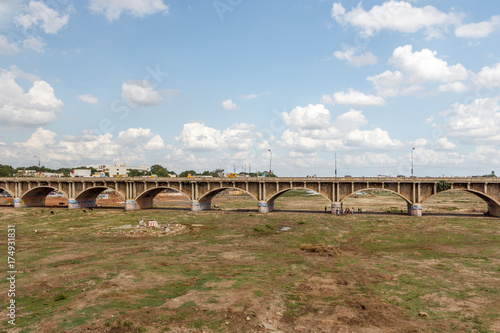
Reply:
x=73, y=204
x=197, y=206
x=415, y=209
x=29, y=201
x=494, y=210
x=265, y=207
x=131, y=204
x=336, y=207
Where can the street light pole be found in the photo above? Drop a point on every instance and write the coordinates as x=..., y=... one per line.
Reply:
x=412, y=150
x=270, y=161
x=38, y=160
x=335, y=165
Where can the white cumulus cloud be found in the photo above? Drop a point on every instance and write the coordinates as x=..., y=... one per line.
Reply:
x=88, y=98
x=353, y=98
x=229, y=105
x=6, y=47
x=309, y=117
x=196, y=136
x=424, y=65
x=37, y=12
x=141, y=93
x=489, y=76
x=478, y=30
x=138, y=8
x=352, y=59
x=396, y=16
x=36, y=107
x=444, y=144
x=477, y=122
x=416, y=68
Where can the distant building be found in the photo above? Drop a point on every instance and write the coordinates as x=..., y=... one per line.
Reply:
x=81, y=173
x=27, y=173
x=119, y=169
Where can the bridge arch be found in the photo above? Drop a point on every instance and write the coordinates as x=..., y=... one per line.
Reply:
x=88, y=197
x=271, y=200
x=493, y=205
x=145, y=198
x=35, y=197
x=6, y=190
x=207, y=197
x=408, y=201
x=280, y=193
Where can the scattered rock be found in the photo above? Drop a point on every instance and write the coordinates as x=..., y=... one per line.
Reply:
x=423, y=314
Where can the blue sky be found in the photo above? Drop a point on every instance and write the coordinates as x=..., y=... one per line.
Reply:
x=208, y=84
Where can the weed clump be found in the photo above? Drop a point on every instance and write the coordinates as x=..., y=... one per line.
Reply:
x=321, y=249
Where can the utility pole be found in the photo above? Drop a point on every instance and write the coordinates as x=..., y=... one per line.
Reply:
x=412, y=150
x=335, y=165
x=270, y=162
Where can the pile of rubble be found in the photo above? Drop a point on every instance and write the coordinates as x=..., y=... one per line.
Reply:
x=149, y=229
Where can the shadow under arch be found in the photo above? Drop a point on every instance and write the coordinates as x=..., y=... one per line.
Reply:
x=272, y=199
x=146, y=198
x=493, y=205
x=36, y=196
x=88, y=197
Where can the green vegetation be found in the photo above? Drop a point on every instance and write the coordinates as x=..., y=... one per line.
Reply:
x=443, y=185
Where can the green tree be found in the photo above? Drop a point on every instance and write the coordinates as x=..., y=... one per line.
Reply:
x=443, y=185
x=6, y=171
x=154, y=168
x=185, y=173
x=135, y=173
x=162, y=172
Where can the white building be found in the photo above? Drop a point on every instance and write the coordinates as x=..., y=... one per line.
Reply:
x=81, y=173
x=119, y=169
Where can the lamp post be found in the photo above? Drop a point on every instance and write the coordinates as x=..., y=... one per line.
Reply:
x=270, y=161
x=335, y=165
x=38, y=160
x=412, y=150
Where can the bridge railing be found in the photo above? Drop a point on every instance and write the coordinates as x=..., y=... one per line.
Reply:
x=265, y=179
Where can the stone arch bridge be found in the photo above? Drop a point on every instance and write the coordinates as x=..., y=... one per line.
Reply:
x=138, y=193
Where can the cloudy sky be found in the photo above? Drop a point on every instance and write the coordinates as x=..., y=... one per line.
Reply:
x=208, y=84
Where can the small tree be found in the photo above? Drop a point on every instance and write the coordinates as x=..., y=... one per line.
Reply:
x=135, y=173
x=443, y=185
x=187, y=172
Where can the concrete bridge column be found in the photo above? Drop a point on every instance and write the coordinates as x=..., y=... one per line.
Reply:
x=131, y=204
x=415, y=209
x=197, y=205
x=85, y=203
x=494, y=210
x=265, y=207
x=336, y=206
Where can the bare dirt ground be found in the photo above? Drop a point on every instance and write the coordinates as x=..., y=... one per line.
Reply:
x=234, y=270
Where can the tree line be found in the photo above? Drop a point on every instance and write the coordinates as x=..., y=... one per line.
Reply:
x=157, y=169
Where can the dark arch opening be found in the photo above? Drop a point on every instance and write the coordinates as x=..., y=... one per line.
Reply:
x=93, y=197
x=163, y=197
x=376, y=200
x=44, y=196
x=228, y=198
x=6, y=197
x=300, y=199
